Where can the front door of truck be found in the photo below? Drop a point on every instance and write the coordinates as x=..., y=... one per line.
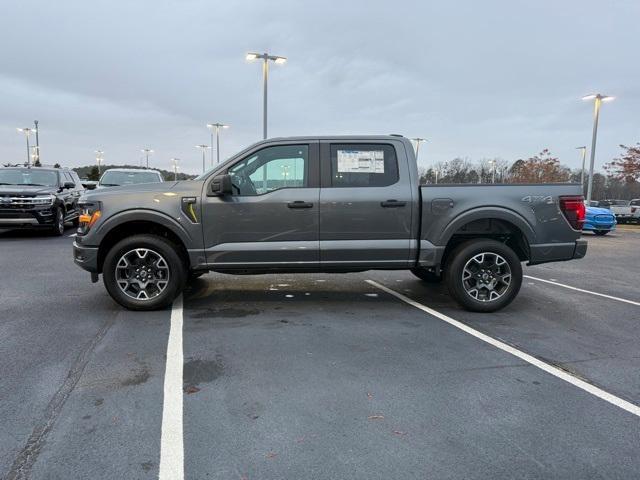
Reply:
x=365, y=205
x=271, y=220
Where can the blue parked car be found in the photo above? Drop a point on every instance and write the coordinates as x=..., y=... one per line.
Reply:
x=599, y=220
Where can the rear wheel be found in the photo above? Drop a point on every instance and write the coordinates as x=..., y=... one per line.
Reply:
x=483, y=275
x=144, y=272
x=426, y=275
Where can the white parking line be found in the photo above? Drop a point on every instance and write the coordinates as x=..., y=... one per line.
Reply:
x=171, y=441
x=73, y=235
x=631, y=302
x=555, y=371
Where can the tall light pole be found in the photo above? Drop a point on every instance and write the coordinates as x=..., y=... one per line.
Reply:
x=27, y=132
x=35, y=122
x=99, y=157
x=583, y=156
x=203, y=147
x=216, y=127
x=599, y=98
x=418, y=141
x=493, y=170
x=174, y=162
x=265, y=78
x=147, y=152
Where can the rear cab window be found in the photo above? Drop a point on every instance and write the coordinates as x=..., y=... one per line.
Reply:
x=363, y=165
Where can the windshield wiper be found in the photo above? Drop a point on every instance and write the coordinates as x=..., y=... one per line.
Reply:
x=34, y=184
x=110, y=184
x=4, y=183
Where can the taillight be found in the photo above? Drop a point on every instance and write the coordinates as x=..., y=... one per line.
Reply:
x=573, y=208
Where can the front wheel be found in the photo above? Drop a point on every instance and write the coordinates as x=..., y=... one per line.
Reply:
x=483, y=275
x=144, y=272
x=57, y=229
x=601, y=232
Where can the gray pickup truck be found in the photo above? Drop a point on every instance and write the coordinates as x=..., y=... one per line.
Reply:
x=325, y=204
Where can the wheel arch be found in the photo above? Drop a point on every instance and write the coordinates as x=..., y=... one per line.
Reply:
x=495, y=223
x=141, y=222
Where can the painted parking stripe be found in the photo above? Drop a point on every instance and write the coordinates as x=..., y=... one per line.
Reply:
x=171, y=441
x=610, y=297
x=555, y=371
x=73, y=235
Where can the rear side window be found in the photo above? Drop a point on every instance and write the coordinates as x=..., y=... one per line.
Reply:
x=363, y=165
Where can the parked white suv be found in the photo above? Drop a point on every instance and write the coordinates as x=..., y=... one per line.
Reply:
x=115, y=177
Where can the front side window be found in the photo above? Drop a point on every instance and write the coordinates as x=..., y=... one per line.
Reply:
x=272, y=168
x=359, y=165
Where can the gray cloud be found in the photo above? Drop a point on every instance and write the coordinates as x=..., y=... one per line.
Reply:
x=478, y=79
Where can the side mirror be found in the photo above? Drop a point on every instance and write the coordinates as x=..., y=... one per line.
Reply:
x=221, y=185
x=69, y=185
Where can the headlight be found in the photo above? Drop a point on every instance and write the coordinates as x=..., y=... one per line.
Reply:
x=91, y=213
x=43, y=200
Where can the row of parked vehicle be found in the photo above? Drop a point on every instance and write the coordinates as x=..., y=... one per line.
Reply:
x=47, y=198
x=602, y=216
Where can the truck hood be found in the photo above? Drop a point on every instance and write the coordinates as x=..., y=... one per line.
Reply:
x=25, y=190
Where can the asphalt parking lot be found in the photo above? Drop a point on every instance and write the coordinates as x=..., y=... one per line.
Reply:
x=318, y=376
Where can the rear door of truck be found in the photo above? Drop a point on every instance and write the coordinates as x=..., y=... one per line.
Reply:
x=366, y=204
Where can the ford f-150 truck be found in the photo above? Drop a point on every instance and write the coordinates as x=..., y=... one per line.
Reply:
x=325, y=204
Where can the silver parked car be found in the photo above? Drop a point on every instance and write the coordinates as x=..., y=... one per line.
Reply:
x=115, y=177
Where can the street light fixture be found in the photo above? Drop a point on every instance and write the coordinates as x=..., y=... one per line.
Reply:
x=265, y=78
x=27, y=132
x=174, y=162
x=418, y=141
x=99, y=157
x=583, y=155
x=147, y=152
x=202, y=147
x=598, y=99
x=216, y=127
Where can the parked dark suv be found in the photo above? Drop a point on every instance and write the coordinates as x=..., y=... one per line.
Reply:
x=39, y=197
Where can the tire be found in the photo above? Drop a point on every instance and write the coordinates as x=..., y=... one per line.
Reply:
x=166, y=275
x=464, y=261
x=601, y=232
x=57, y=229
x=426, y=275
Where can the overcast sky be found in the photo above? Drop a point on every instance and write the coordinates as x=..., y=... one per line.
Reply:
x=479, y=79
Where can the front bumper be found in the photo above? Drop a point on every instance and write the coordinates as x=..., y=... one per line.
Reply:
x=86, y=257
x=27, y=217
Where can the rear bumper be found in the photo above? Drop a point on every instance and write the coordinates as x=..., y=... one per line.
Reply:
x=86, y=257
x=557, y=252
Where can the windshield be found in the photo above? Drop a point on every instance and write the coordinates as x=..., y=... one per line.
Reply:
x=114, y=178
x=28, y=176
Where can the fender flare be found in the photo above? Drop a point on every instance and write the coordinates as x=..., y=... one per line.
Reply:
x=482, y=213
x=145, y=215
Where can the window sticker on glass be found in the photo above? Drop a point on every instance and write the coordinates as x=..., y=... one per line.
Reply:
x=362, y=161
